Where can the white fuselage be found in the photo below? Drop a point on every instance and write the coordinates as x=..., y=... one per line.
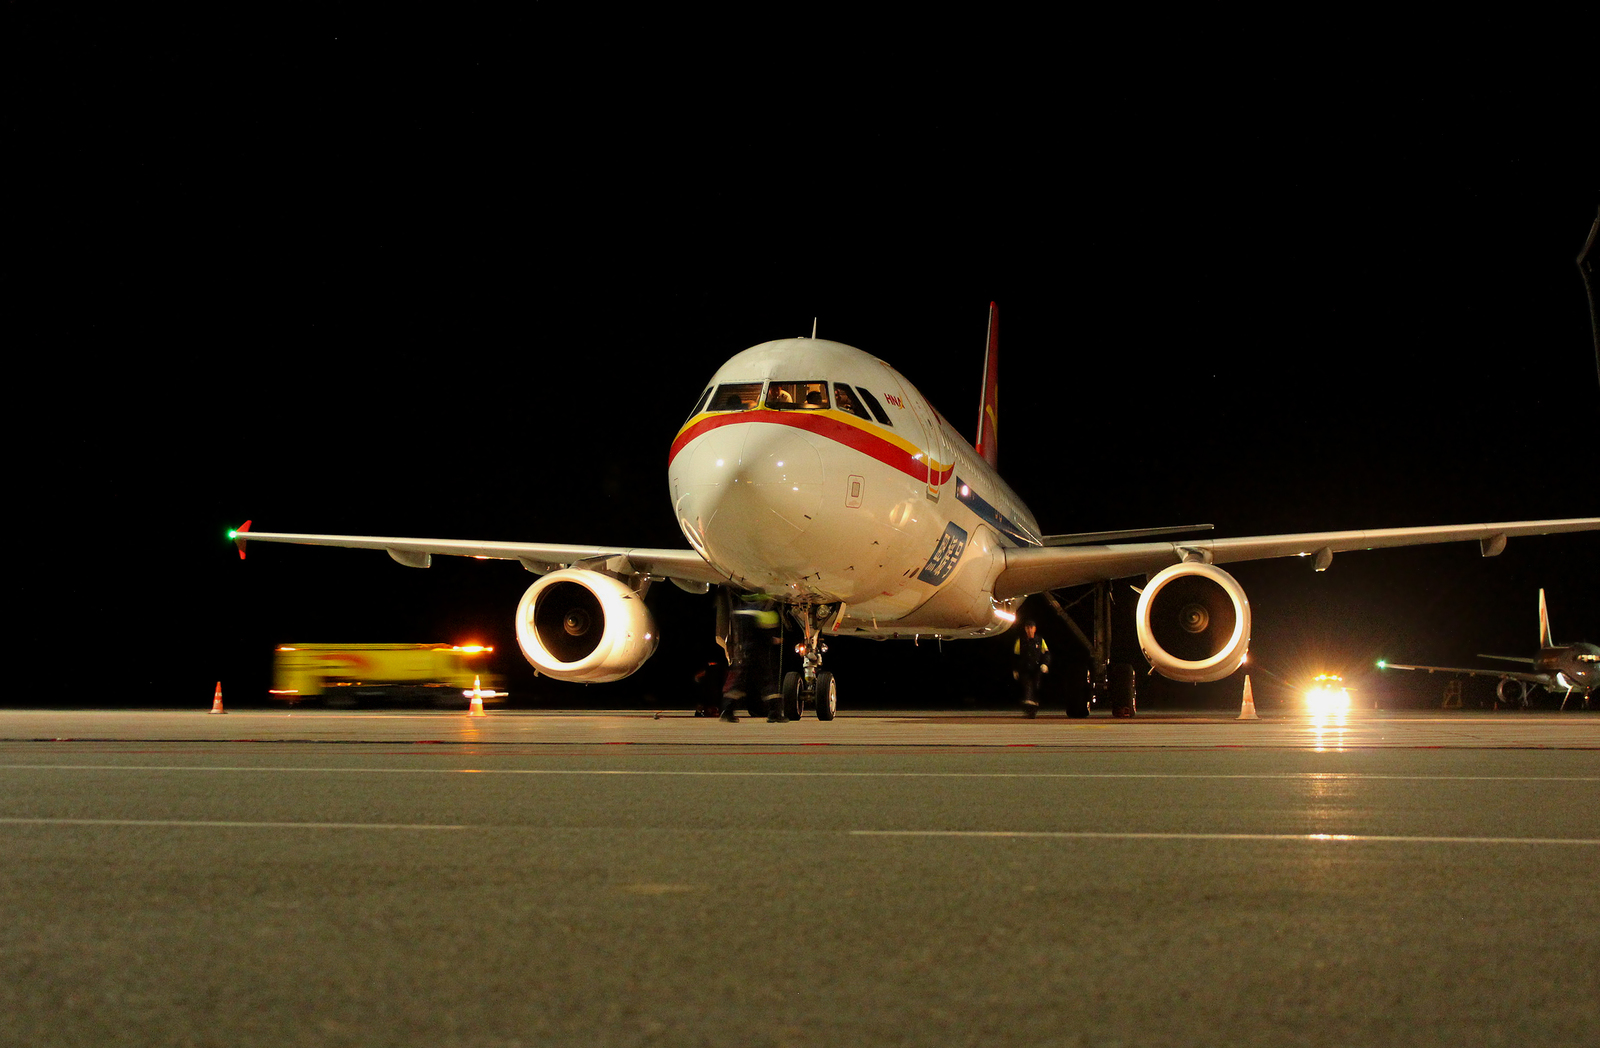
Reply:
x=815, y=472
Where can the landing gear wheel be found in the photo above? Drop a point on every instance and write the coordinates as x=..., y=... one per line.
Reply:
x=827, y=696
x=791, y=695
x=1123, y=701
x=1080, y=699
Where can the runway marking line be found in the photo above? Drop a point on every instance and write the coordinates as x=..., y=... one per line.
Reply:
x=804, y=774
x=1132, y=836
x=970, y=834
x=230, y=824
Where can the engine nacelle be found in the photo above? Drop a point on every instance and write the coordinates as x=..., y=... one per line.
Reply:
x=1193, y=622
x=583, y=626
x=1511, y=691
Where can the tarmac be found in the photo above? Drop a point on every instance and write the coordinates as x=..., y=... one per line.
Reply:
x=554, y=878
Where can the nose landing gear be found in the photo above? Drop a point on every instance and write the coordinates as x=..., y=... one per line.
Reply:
x=811, y=685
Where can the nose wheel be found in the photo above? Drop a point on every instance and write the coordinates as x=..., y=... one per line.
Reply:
x=822, y=695
x=811, y=685
x=825, y=696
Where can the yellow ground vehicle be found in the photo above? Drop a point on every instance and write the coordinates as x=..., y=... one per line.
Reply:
x=348, y=674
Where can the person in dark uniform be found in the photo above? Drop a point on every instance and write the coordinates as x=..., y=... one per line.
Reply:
x=1030, y=661
x=753, y=642
x=708, y=685
x=733, y=677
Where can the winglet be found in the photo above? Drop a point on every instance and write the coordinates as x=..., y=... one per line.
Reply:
x=1545, y=640
x=988, y=445
x=237, y=535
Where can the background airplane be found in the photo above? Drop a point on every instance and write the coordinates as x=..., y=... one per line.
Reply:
x=1562, y=669
x=817, y=474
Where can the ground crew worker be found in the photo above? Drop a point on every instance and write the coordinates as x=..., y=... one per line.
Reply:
x=708, y=686
x=753, y=654
x=1030, y=661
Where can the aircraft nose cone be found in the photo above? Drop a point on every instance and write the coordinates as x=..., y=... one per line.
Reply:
x=748, y=494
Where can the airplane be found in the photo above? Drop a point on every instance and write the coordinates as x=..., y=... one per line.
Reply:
x=1559, y=667
x=815, y=473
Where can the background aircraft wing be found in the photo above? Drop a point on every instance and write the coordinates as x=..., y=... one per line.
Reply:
x=1479, y=671
x=1033, y=569
x=538, y=557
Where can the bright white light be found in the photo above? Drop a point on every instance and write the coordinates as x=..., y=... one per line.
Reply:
x=1322, y=700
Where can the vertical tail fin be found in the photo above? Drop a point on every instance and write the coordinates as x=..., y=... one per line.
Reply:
x=988, y=444
x=1545, y=640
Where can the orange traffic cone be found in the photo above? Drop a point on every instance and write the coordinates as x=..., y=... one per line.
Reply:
x=1247, y=709
x=477, y=699
x=216, y=700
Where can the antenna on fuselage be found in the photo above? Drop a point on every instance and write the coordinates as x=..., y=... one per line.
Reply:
x=813, y=327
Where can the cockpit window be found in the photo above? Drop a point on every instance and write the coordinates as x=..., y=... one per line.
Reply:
x=797, y=396
x=877, y=408
x=845, y=400
x=736, y=396
x=700, y=405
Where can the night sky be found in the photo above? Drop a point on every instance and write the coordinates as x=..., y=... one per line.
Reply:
x=466, y=279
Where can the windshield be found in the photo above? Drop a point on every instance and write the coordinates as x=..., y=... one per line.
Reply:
x=736, y=396
x=700, y=405
x=802, y=396
x=847, y=401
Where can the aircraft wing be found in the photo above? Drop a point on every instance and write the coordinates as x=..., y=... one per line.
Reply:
x=1478, y=671
x=537, y=557
x=1033, y=569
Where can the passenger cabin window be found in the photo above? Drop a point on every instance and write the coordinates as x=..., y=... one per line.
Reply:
x=797, y=396
x=877, y=408
x=736, y=396
x=845, y=400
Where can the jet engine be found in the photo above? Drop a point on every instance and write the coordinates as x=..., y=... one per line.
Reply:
x=1511, y=691
x=1193, y=622
x=583, y=626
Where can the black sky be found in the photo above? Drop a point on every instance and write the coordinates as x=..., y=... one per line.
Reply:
x=464, y=279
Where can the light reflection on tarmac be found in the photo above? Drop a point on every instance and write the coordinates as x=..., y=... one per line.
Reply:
x=582, y=878
x=1331, y=732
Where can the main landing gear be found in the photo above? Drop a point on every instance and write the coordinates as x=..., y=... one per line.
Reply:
x=811, y=685
x=1109, y=683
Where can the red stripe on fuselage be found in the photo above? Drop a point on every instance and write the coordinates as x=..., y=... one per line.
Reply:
x=840, y=432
